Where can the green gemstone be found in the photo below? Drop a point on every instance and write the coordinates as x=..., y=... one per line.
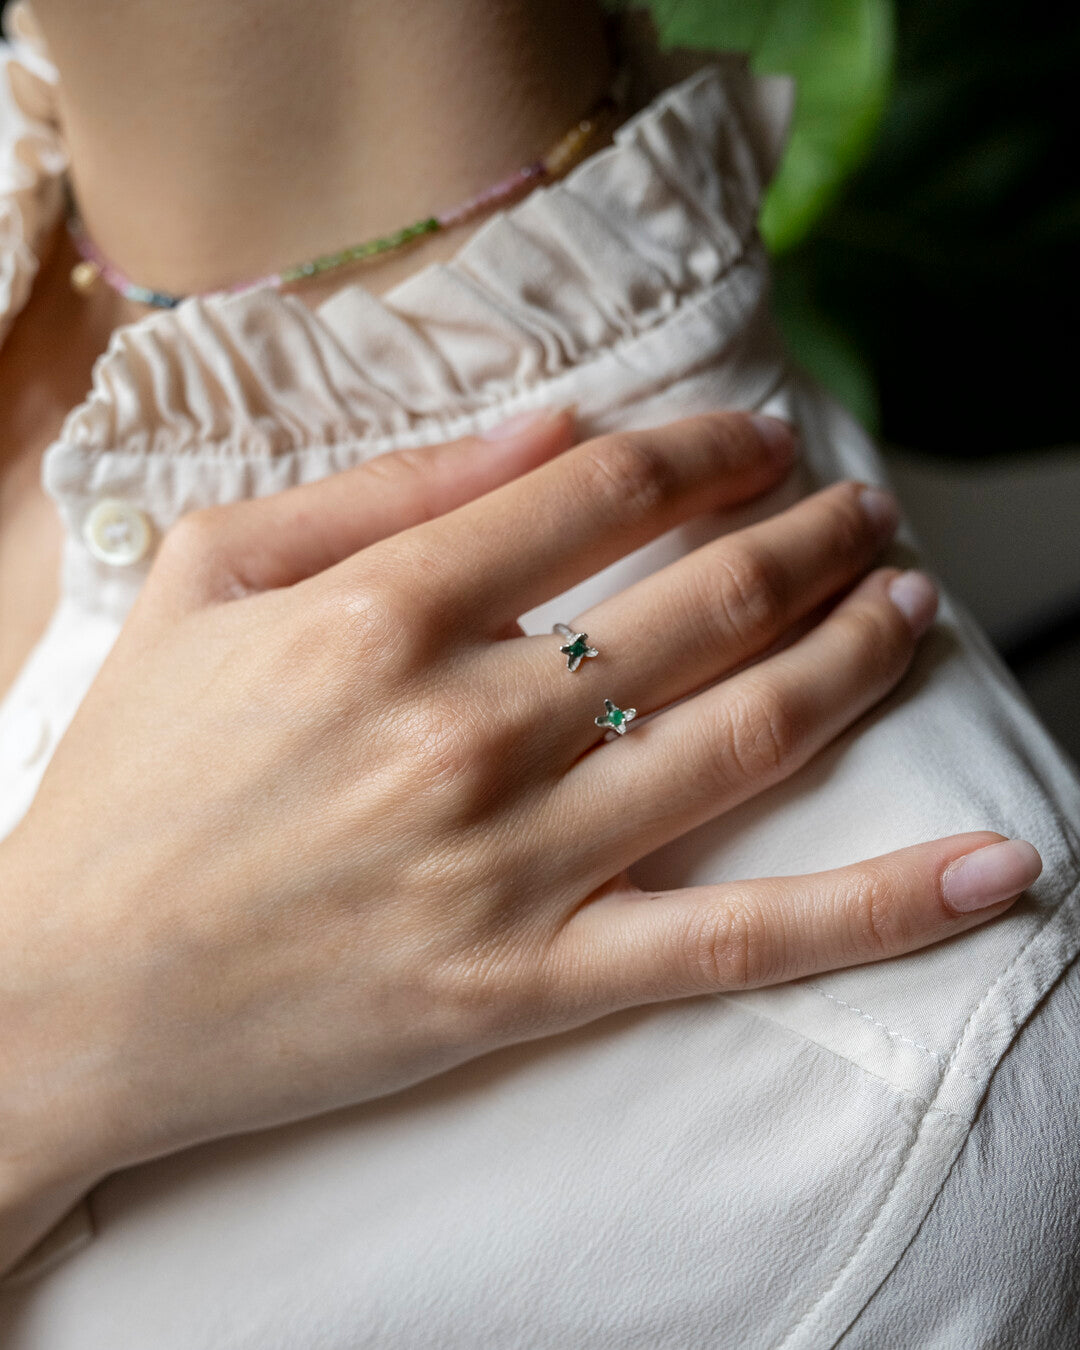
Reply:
x=577, y=649
x=616, y=717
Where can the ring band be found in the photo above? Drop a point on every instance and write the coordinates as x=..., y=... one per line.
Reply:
x=577, y=648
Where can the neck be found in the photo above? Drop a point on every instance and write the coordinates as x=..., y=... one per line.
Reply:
x=214, y=142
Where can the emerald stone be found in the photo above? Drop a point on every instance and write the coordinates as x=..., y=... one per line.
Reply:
x=577, y=649
x=615, y=719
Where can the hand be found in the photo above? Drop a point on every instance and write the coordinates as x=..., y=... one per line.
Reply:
x=327, y=823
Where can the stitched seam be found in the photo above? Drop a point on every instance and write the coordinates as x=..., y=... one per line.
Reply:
x=853, y=1063
x=1071, y=894
x=896, y=1035
x=1069, y=899
x=813, y=1311
x=887, y=1030
x=871, y=1225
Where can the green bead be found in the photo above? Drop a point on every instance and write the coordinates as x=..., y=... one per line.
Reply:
x=384, y=244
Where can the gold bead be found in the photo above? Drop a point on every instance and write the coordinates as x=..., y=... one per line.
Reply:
x=567, y=152
x=83, y=276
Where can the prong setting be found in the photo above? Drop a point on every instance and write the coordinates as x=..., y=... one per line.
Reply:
x=615, y=718
x=577, y=648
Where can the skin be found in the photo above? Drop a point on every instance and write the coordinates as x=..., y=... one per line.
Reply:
x=343, y=836
x=271, y=106
x=227, y=193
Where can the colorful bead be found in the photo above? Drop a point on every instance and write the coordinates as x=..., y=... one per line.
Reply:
x=556, y=162
x=83, y=275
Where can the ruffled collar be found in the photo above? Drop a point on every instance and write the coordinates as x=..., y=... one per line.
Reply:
x=33, y=159
x=571, y=272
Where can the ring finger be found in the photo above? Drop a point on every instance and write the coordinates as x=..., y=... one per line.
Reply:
x=733, y=741
x=706, y=614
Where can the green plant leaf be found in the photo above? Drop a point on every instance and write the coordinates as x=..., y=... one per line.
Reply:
x=840, y=53
x=821, y=345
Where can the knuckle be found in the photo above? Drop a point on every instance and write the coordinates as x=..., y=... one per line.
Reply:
x=731, y=439
x=876, y=643
x=730, y=950
x=717, y=949
x=197, y=535
x=485, y=937
x=850, y=532
x=626, y=475
x=419, y=569
x=195, y=552
x=497, y=986
x=878, y=921
x=762, y=737
x=373, y=610
x=447, y=743
x=382, y=621
x=751, y=595
x=409, y=467
x=307, y=648
x=469, y=765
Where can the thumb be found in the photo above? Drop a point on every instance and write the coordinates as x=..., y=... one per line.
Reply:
x=268, y=542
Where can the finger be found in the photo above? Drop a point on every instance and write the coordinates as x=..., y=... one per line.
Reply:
x=639, y=947
x=277, y=541
x=733, y=741
x=565, y=521
x=701, y=617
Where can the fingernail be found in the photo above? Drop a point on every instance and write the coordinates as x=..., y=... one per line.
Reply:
x=881, y=509
x=916, y=597
x=778, y=435
x=523, y=423
x=990, y=875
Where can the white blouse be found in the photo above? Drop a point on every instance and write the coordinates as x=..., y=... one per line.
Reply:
x=734, y=1171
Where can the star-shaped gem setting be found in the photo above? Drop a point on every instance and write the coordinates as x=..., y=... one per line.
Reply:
x=615, y=719
x=577, y=650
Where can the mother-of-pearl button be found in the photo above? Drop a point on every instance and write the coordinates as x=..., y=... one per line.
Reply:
x=117, y=533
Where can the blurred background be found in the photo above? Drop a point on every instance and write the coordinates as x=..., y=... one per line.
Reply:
x=924, y=227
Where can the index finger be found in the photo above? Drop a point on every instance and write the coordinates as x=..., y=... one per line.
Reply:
x=536, y=537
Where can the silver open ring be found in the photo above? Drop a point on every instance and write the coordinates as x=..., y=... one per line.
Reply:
x=576, y=649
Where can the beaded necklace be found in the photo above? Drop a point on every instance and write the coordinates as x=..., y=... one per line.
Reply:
x=556, y=162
